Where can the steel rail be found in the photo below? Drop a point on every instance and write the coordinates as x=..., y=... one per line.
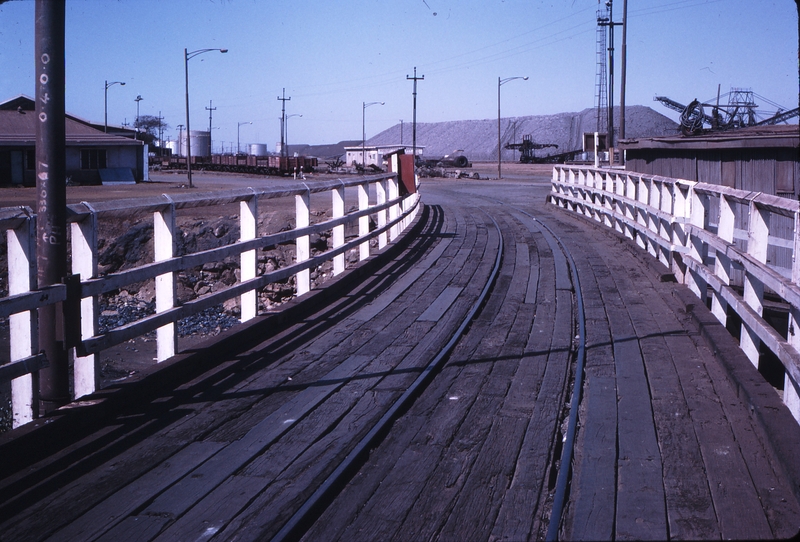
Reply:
x=564, y=469
x=297, y=524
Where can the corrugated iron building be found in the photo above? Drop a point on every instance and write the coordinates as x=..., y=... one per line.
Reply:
x=758, y=158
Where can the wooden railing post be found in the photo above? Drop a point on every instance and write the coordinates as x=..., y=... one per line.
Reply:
x=630, y=210
x=84, y=263
x=303, y=247
x=394, y=210
x=22, y=326
x=757, y=240
x=380, y=190
x=722, y=265
x=363, y=221
x=697, y=248
x=337, y=211
x=642, y=213
x=164, y=248
x=248, y=225
x=791, y=389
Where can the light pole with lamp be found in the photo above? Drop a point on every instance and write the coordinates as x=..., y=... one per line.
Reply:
x=186, y=56
x=364, y=107
x=105, y=123
x=136, y=124
x=501, y=82
x=238, y=148
x=286, y=129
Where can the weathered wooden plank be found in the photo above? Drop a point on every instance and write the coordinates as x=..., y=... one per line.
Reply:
x=594, y=482
x=439, y=306
x=208, y=475
x=117, y=507
x=640, y=492
x=135, y=529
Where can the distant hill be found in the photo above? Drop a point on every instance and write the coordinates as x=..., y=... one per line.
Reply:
x=478, y=138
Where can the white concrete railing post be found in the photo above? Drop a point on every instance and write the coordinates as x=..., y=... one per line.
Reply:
x=22, y=326
x=164, y=244
x=303, y=247
x=337, y=211
x=757, y=240
x=380, y=190
x=722, y=265
x=791, y=389
x=363, y=221
x=84, y=263
x=248, y=226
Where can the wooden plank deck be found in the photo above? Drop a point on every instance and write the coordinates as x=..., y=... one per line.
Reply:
x=227, y=443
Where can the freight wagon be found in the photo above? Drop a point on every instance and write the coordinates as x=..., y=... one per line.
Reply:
x=260, y=165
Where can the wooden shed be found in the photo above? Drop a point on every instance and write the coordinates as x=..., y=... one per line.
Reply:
x=758, y=158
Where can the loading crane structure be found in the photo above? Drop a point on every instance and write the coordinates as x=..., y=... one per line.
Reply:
x=527, y=149
x=739, y=113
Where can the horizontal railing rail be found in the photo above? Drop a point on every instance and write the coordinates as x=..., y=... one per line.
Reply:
x=378, y=198
x=738, y=251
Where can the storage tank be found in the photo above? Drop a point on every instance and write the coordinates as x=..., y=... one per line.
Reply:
x=201, y=143
x=258, y=149
x=174, y=147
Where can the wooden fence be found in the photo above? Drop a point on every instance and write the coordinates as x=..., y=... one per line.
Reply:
x=738, y=251
x=391, y=212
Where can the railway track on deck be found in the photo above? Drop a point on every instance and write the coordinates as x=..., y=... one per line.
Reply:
x=523, y=341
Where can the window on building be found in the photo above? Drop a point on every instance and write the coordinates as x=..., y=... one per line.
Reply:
x=93, y=159
x=30, y=159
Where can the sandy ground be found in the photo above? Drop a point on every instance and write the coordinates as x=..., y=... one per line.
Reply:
x=176, y=183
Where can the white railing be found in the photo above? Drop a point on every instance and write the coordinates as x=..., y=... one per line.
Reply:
x=737, y=251
x=391, y=212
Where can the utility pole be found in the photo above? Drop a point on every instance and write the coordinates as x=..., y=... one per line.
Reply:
x=401, y=131
x=611, y=24
x=160, y=134
x=210, y=110
x=284, y=99
x=623, y=70
x=51, y=204
x=414, y=120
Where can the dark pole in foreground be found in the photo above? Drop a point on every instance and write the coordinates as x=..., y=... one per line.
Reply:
x=51, y=199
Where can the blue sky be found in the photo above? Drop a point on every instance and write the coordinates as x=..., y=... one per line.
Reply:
x=331, y=56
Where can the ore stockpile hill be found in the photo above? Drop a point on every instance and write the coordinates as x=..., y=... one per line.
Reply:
x=478, y=138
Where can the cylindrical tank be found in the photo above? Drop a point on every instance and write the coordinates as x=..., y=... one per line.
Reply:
x=174, y=147
x=258, y=149
x=200, y=140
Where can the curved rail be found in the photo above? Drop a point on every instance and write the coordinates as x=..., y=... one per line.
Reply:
x=564, y=469
x=293, y=528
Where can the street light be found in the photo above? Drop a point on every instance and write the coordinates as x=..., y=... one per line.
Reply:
x=186, y=56
x=238, y=149
x=286, y=129
x=136, y=124
x=105, y=124
x=501, y=82
x=364, y=107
